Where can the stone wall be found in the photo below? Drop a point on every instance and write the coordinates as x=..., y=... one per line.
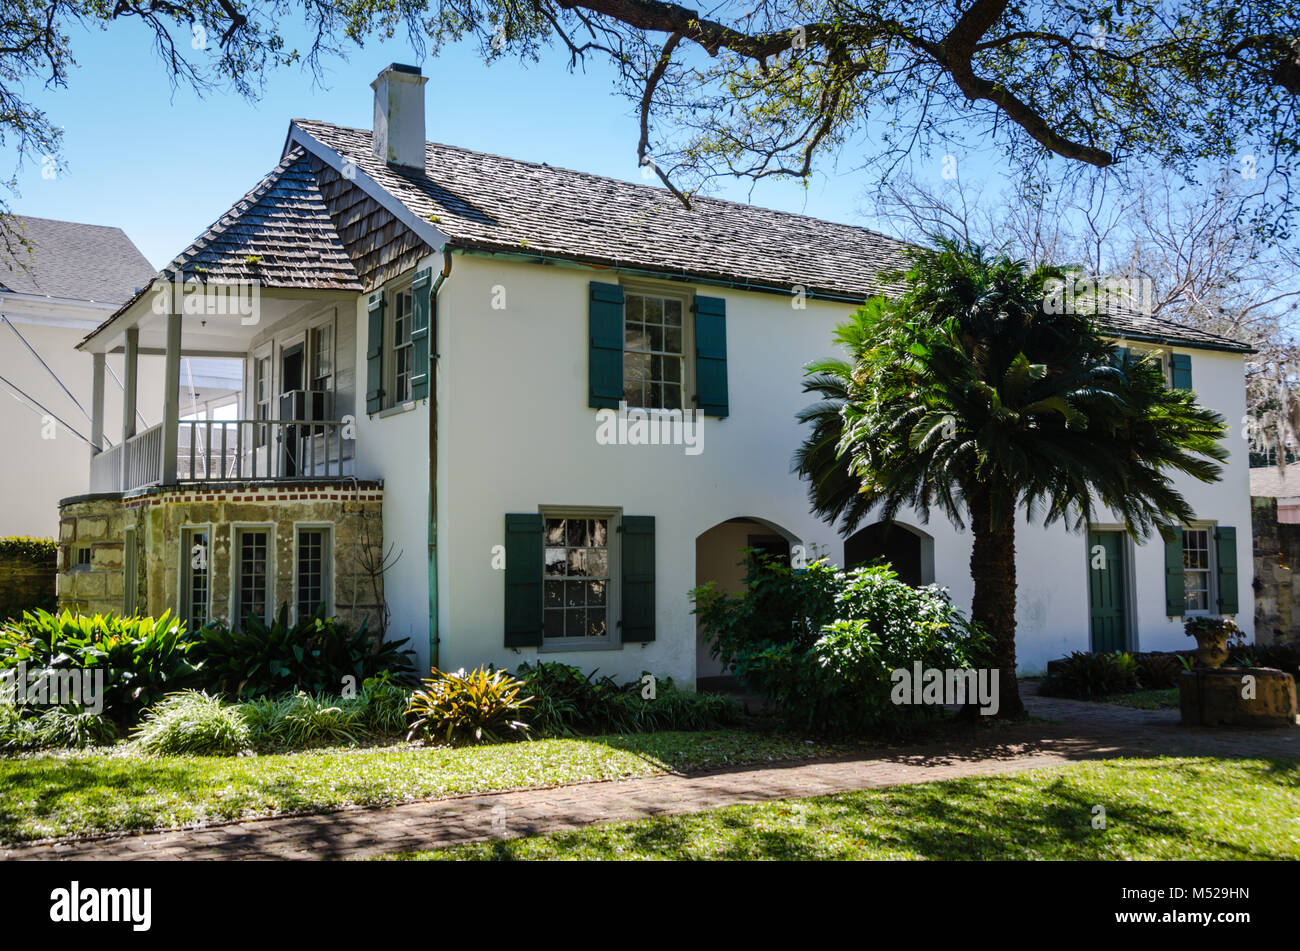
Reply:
x=1277, y=552
x=26, y=582
x=159, y=515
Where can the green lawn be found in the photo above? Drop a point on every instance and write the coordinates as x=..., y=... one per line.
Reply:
x=1162, y=808
x=1147, y=699
x=107, y=791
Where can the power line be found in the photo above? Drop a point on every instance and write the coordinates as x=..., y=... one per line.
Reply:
x=18, y=392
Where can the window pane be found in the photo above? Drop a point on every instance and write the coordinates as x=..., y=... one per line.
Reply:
x=311, y=571
x=577, y=557
x=196, y=574
x=252, y=574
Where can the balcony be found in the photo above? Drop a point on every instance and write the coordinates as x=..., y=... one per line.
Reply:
x=216, y=450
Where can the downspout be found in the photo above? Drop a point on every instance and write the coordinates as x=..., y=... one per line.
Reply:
x=433, y=457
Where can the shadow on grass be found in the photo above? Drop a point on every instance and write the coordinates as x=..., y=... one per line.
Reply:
x=1002, y=817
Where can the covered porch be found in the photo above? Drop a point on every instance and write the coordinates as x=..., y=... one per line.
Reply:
x=293, y=432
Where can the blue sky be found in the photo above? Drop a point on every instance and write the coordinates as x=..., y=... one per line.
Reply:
x=163, y=163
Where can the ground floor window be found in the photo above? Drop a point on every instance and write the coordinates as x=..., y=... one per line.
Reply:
x=313, y=569
x=578, y=568
x=252, y=575
x=1198, y=574
x=196, y=578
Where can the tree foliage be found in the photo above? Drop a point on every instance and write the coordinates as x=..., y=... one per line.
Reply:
x=968, y=395
x=768, y=87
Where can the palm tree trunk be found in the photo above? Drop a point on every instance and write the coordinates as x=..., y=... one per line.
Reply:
x=993, y=569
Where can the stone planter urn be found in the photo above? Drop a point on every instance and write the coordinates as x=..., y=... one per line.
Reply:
x=1212, y=634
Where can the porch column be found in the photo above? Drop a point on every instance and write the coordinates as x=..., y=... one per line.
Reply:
x=171, y=399
x=130, y=371
x=97, y=404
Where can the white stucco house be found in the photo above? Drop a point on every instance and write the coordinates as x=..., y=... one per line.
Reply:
x=442, y=342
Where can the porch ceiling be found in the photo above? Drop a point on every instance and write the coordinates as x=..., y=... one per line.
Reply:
x=203, y=335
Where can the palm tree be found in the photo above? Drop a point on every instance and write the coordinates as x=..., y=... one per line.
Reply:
x=967, y=394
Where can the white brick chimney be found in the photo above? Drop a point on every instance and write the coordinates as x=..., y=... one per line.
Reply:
x=398, y=136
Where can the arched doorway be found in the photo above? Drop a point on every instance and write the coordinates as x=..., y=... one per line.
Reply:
x=908, y=550
x=720, y=558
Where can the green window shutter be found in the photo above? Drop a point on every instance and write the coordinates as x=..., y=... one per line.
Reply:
x=524, y=573
x=711, y=356
x=421, y=292
x=1175, y=592
x=1225, y=552
x=1123, y=357
x=638, y=592
x=605, y=346
x=375, y=352
x=1181, y=371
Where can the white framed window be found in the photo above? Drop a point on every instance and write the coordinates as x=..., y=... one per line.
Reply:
x=196, y=576
x=656, y=326
x=261, y=388
x=322, y=358
x=81, y=557
x=313, y=569
x=252, y=579
x=1198, y=569
x=580, y=566
x=399, y=317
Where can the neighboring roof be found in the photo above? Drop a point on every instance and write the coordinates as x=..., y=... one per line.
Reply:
x=1268, y=482
x=280, y=234
x=72, y=261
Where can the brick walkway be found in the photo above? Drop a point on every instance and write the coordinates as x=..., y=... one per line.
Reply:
x=1082, y=731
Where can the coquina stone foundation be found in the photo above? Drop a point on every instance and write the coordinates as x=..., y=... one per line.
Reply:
x=143, y=531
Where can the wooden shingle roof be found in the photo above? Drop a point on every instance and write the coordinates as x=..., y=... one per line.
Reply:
x=281, y=234
x=488, y=202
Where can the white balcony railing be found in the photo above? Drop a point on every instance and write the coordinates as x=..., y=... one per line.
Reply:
x=236, y=450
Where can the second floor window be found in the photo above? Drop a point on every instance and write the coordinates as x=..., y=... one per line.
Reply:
x=653, y=353
x=261, y=398
x=322, y=363
x=402, y=351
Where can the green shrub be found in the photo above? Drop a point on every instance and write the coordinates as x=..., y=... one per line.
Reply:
x=1084, y=676
x=314, y=656
x=1285, y=657
x=192, y=723
x=53, y=728
x=383, y=703
x=781, y=604
x=307, y=720
x=38, y=551
x=38, y=592
x=1158, y=671
x=568, y=702
x=481, y=706
x=827, y=665
x=142, y=658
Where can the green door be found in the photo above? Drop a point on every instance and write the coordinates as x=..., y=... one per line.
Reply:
x=1107, y=595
